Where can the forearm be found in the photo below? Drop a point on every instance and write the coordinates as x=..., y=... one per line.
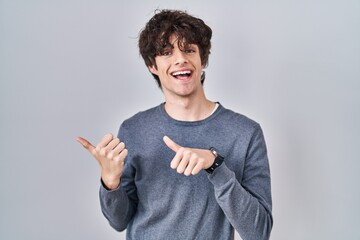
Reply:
x=249, y=214
x=116, y=207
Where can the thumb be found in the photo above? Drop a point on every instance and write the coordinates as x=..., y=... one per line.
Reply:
x=171, y=144
x=86, y=144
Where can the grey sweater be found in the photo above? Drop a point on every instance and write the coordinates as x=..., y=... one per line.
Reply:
x=154, y=202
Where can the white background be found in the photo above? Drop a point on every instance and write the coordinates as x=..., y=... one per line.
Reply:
x=70, y=68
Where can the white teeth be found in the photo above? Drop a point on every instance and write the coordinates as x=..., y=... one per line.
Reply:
x=181, y=72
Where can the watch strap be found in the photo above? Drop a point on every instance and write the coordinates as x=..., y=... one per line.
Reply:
x=217, y=162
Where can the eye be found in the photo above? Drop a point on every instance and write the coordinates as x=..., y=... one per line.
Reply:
x=166, y=52
x=190, y=50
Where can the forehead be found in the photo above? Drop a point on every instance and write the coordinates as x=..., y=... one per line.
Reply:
x=174, y=40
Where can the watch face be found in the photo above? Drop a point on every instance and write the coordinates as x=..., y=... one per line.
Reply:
x=213, y=151
x=217, y=162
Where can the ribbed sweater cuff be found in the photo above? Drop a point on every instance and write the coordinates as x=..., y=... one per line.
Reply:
x=221, y=175
x=110, y=193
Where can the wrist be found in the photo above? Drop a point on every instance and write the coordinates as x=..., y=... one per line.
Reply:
x=218, y=160
x=110, y=184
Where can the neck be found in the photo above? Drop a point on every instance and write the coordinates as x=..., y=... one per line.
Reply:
x=188, y=109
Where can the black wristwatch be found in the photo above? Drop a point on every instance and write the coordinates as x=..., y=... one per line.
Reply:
x=217, y=162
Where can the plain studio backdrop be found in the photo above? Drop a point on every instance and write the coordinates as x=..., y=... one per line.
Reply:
x=72, y=68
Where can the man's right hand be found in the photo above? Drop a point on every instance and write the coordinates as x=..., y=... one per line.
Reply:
x=110, y=154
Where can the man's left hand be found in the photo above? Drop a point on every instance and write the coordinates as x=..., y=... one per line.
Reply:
x=189, y=161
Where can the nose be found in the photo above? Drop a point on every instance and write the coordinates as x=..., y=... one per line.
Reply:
x=180, y=57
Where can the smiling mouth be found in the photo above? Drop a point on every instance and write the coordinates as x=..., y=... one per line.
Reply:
x=182, y=75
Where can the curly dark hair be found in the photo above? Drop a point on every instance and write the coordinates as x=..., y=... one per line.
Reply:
x=154, y=38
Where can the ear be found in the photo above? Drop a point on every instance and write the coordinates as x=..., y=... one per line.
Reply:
x=153, y=69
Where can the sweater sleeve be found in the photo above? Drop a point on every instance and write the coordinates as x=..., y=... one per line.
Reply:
x=247, y=203
x=119, y=205
x=116, y=207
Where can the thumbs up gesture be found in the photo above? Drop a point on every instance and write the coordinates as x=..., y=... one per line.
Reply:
x=189, y=161
x=110, y=154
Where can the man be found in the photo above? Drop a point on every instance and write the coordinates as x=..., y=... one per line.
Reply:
x=188, y=168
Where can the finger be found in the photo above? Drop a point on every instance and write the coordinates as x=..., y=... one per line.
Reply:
x=105, y=141
x=121, y=157
x=176, y=160
x=119, y=148
x=86, y=144
x=112, y=144
x=171, y=144
x=192, y=163
x=106, y=150
x=198, y=167
x=184, y=162
x=115, y=151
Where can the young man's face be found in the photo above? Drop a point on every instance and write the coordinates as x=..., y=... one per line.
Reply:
x=179, y=71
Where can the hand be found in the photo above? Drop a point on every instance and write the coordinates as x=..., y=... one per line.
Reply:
x=189, y=160
x=110, y=154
